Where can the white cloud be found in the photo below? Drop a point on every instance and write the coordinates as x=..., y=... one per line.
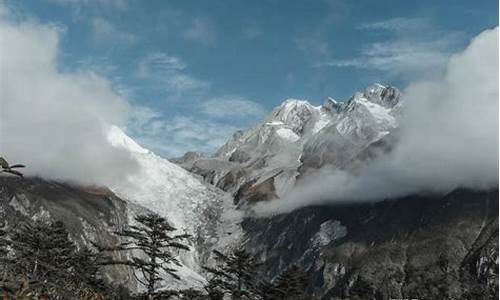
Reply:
x=105, y=33
x=159, y=63
x=398, y=24
x=172, y=137
x=53, y=121
x=412, y=47
x=168, y=72
x=402, y=56
x=183, y=83
x=202, y=31
x=232, y=106
x=95, y=4
x=448, y=139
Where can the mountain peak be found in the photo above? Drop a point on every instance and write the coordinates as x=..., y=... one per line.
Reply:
x=332, y=105
x=119, y=139
x=382, y=95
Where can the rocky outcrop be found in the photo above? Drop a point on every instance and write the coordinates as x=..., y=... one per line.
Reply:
x=89, y=214
x=424, y=247
x=297, y=138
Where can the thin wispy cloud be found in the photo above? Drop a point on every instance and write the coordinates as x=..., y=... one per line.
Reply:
x=182, y=83
x=172, y=137
x=232, y=106
x=169, y=73
x=398, y=25
x=98, y=4
x=202, y=31
x=105, y=33
x=411, y=46
x=159, y=63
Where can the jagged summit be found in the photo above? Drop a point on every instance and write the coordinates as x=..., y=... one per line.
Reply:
x=332, y=105
x=298, y=120
x=379, y=94
x=297, y=136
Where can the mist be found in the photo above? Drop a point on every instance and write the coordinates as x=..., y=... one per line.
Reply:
x=449, y=139
x=55, y=122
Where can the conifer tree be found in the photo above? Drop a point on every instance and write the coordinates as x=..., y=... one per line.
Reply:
x=49, y=265
x=42, y=250
x=153, y=237
x=291, y=284
x=234, y=274
x=267, y=291
x=213, y=290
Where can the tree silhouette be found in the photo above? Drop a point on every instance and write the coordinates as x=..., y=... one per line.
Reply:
x=6, y=168
x=151, y=243
x=291, y=284
x=44, y=262
x=233, y=274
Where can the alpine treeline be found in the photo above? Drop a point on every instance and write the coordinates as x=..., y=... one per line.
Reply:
x=39, y=260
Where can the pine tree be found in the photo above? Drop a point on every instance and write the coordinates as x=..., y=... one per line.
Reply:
x=153, y=237
x=291, y=284
x=4, y=249
x=49, y=265
x=267, y=291
x=234, y=274
x=213, y=290
x=42, y=250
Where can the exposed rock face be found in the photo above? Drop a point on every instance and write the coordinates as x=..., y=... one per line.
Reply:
x=296, y=138
x=189, y=204
x=416, y=247
x=420, y=247
x=89, y=214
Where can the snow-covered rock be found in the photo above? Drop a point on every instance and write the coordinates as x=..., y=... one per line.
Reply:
x=296, y=137
x=190, y=205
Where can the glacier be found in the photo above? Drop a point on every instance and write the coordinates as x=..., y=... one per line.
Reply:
x=191, y=206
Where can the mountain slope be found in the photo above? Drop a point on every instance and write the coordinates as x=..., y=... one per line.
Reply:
x=422, y=247
x=264, y=161
x=189, y=205
x=89, y=214
x=92, y=214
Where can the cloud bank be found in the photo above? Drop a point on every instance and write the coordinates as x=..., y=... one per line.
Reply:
x=449, y=139
x=54, y=121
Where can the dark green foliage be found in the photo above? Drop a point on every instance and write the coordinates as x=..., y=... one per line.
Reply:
x=4, y=244
x=214, y=292
x=44, y=262
x=234, y=274
x=42, y=250
x=292, y=284
x=153, y=236
x=191, y=294
x=267, y=291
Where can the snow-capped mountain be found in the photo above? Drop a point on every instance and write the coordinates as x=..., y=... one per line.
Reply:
x=264, y=161
x=190, y=205
x=396, y=248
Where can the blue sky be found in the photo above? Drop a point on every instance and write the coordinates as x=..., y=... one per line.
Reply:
x=196, y=71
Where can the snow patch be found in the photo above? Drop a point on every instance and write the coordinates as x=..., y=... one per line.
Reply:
x=287, y=134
